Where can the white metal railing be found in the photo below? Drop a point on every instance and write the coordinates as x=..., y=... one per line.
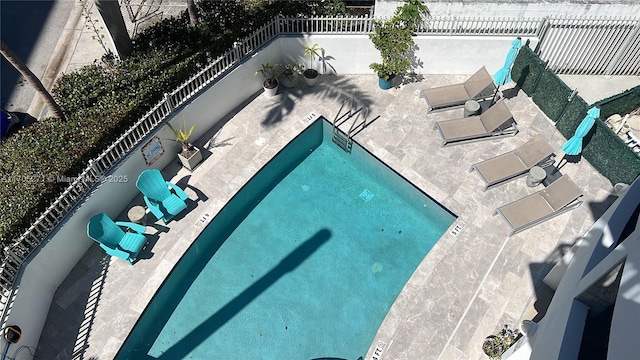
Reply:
x=13, y=256
x=432, y=26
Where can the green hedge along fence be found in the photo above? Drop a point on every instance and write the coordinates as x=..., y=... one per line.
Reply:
x=602, y=147
x=102, y=100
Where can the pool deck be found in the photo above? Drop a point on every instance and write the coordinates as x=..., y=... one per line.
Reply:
x=466, y=288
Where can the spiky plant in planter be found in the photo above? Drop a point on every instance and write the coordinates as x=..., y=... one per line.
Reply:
x=270, y=73
x=189, y=155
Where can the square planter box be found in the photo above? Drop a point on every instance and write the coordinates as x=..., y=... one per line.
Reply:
x=192, y=161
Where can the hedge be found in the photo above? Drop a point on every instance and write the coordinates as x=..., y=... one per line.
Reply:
x=604, y=150
x=104, y=99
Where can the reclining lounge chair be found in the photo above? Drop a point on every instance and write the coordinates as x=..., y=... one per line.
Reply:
x=479, y=86
x=560, y=196
x=162, y=202
x=115, y=241
x=513, y=164
x=496, y=122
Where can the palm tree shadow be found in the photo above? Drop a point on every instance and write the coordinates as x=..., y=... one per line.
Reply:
x=143, y=337
x=330, y=87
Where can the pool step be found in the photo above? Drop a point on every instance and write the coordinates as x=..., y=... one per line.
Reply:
x=341, y=139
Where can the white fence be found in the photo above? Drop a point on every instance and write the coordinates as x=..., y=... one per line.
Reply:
x=13, y=256
x=591, y=46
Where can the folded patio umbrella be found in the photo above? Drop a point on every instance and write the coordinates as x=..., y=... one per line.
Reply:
x=503, y=75
x=574, y=145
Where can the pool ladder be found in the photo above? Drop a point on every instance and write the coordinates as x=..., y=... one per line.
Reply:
x=344, y=141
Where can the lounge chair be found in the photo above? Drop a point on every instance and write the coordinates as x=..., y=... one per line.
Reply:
x=479, y=86
x=115, y=241
x=560, y=196
x=496, y=122
x=162, y=202
x=513, y=164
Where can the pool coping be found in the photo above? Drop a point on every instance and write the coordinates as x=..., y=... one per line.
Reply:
x=408, y=330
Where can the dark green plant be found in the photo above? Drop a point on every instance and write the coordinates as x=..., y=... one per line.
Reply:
x=556, y=96
x=413, y=13
x=495, y=345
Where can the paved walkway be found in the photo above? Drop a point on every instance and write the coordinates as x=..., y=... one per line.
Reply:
x=466, y=288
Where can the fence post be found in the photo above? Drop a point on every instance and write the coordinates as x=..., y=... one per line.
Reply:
x=542, y=31
x=168, y=103
x=569, y=99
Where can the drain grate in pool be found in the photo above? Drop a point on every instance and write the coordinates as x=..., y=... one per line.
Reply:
x=366, y=195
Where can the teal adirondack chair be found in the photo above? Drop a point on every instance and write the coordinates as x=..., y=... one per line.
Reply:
x=162, y=202
x=115, y=241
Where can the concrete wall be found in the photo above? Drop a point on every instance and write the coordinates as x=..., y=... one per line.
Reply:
x=346, y=54
x=518, y=9
x=352, y=54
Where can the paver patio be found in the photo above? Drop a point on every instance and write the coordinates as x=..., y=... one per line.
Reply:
x=466, y=288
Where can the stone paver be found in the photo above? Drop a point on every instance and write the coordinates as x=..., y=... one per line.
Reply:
x=465, y=289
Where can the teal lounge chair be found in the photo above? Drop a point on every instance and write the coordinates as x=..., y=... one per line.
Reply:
x=162, y=202
x=115, y=241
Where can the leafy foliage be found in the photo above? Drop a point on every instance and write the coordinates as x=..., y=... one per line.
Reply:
x=496, y=345
x=394, y=39
x=104, y=99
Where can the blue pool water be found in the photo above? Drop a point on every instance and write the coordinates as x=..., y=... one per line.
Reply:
x=303, y=263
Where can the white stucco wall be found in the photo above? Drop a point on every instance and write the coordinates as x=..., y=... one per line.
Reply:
x=352, y=54
x=347, y=54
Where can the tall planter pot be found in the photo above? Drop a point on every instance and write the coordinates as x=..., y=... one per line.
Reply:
x=270, y=89
x=310, y=77
x=385, y=84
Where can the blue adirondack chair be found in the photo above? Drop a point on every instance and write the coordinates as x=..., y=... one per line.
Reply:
x=115, y=241
x=162, y=202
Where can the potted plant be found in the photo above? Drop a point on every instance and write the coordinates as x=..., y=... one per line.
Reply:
x=190, y=156
x=394, y=39
x=311, y=74
x=270, y=83
x=495, y=345
x=291, y=73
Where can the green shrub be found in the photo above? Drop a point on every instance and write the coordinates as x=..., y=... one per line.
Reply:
x=104, y=99
x=527, y=69
x=555, y=96
x=572, y=116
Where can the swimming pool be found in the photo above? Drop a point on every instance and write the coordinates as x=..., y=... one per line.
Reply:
x=303, y=263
